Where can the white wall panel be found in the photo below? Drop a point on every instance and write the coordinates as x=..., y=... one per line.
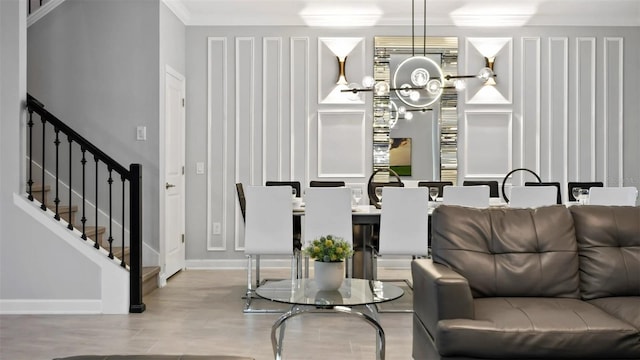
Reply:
x=275, y=146
x=248, y=139
x=557, y=110
x=613, y=110
x=581, y=140
x=530, y=103
x=299, y=108
x=217, y=143
x=341, y=147
x=488, y=144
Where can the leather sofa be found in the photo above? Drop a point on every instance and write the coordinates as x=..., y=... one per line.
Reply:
x=545, y=283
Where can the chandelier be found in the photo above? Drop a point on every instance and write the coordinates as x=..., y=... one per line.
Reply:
x=418, y=81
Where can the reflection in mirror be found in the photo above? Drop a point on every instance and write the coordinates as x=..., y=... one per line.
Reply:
x=431, y=126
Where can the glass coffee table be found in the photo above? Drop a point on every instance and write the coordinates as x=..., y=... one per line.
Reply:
x=353, y=295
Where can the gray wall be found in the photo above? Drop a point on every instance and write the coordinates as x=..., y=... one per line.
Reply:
x=550, y=79
x=95, y=65
x=33, y=265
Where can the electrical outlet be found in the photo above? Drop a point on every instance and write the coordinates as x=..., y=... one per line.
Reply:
x=217, y=228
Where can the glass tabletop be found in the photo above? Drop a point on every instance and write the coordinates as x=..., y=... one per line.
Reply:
x=353, y=292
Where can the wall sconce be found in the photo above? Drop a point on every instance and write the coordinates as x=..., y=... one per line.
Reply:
x=488, y=63
x=342, y=79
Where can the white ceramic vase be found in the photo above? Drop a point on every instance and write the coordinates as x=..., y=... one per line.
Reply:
x=328, y=275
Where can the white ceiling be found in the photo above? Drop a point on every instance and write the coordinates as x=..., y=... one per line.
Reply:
x=338, y=13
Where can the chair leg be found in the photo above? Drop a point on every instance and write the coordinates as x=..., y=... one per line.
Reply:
x=249, y=283
x=257, y=271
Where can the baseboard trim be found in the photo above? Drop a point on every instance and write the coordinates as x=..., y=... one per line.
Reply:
x=239, y=264
x=50, y=306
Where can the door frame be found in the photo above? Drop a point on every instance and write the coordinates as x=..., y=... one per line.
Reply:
x=162, y=256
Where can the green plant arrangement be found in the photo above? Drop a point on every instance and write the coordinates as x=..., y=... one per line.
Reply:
x=328, y=249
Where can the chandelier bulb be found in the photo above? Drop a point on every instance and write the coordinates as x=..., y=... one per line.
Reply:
x=485, y=74
x=414, y=95
x=381, y=88
x=420, y=77
x=368, y=81
x=460, y=84
x=408, y=115
x=434, y=86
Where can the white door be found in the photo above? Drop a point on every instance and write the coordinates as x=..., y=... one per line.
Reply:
x=174, y=198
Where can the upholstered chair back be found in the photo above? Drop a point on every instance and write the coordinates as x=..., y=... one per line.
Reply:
x=509, y=252
x=609, y=247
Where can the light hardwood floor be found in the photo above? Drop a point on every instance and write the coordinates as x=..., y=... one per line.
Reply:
x=200, y=312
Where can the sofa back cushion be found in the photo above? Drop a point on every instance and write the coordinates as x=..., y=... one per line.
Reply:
x=609, y=250
x=509, y=252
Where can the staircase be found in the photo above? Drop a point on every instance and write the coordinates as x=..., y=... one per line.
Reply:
x=68, y=214
x=89, y=192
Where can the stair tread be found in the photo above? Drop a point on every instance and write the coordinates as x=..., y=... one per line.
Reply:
x=149, y=272
x=38, y=187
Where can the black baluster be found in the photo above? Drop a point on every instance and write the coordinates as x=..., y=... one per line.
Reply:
x=84, y=200
x=30, y=181
x=96, y=245
x=29, y=7
x=70, y=225
x=43, y=206
x=122, y=262
x=110, y=240
x=57, y=199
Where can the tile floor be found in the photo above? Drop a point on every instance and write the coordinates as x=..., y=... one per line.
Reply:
x=200, y=312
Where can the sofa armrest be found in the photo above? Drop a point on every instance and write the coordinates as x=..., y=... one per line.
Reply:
x=439, y=293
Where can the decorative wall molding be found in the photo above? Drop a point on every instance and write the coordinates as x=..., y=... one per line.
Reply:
x=217, y=100
x=530, y=101
x=488, y=143
x=341, y=143
x=272, y=120
x=584, y=124
x=299, y=106
x=613, y=107
x=558, y=109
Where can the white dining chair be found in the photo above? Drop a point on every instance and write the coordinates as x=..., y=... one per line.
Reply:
x=268, y=229
x=470, y=196
x=533, y=196
x=617, y=196
x=404, y=219
x=327, y=212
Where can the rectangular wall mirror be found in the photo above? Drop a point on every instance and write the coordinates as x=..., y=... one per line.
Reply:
x=430, y=129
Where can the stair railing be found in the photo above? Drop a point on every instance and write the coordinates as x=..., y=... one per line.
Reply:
x=131, y=176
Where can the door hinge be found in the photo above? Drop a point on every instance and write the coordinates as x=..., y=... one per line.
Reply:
x=182, y=102
x=183, y=238
x=182, y=170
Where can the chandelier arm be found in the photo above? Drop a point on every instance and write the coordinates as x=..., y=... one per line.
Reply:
x=424, y=30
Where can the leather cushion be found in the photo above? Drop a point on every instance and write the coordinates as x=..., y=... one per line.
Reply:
x=626, y=308
x=518, y=328
x=509, y=252
x=154, y=357
x=609, y=247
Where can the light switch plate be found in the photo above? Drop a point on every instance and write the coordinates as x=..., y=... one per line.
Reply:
x=141, y=133
x=200, y=168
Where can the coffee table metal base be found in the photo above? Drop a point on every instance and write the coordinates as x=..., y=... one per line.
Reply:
x=371, y=318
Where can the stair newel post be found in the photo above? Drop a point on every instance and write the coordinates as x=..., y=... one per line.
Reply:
x=110, y=240
x=124, y=218
x=84, y=200
x=43, y=206
x=30, y=181
x=57, y=199
x=70, y=225
x=135, y=240
x=96, y=245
